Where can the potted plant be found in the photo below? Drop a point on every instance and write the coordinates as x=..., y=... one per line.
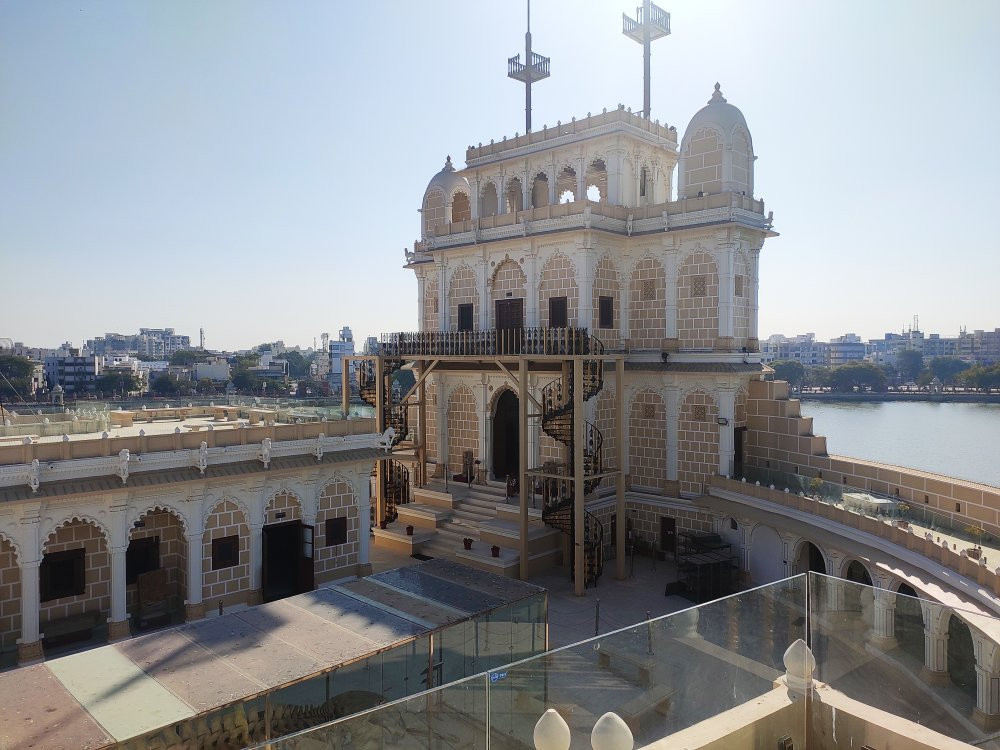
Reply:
x=467, y=542
x=495, y=550
x=902, y=509
x=409, y=531
x=976, y=531
x=383, y=523
x=815, y=486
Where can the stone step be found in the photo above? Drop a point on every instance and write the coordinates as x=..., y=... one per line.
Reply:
x=474, y=516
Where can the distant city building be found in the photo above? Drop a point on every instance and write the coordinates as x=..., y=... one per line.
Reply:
x=342, y=347
x=216, y=369
x=846, y=348
x=802, y=348
x=155, y=342
x=74, y=371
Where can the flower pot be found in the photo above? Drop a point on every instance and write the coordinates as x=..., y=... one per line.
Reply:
x=495, y=551
x=409, y=531
x=382, y=524
x=974, y=553
x=467, y=543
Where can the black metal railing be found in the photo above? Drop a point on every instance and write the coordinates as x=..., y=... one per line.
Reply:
x=491, y=342
x=394, y=415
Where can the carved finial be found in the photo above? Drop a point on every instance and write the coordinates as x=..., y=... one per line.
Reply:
x=551, y=732
x=799, y=666
x=448, y=167
x=717, y=95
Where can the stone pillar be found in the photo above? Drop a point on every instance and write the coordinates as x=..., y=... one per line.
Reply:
x=883, y=634
x=530, y=272
x=441, y=424
x=553, y=198
x=670, y=327
x=624, y=303
x=753, y=283
x=361, y=487
x=585, y=285
x=987, y=712
x=727, y=411
x=485, y=425
x=442, y=295
x=255, y=596
x=935, y=669
x=118, y=627
x=581, y=181
x=483, y=281
x=29, y=645
x=526, y=191
x=477, y=188
x=726, y=257
x=420, y=307
x=614, y=167
x=671, y=399
x=501, y=196
x=194, y=609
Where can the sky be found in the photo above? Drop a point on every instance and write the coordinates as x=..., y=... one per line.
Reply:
x=255, y=168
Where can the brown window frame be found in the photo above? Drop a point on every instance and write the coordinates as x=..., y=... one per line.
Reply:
x=48, y=589
x=331, y=532
x=226, y=552
x=605, y=312
x=558, y=312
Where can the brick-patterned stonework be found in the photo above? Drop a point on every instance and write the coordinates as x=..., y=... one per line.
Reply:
x=433, y=212
x=283, y=502
x=430, y=394
x=463, y=427
x=741, y=408
x=462, y=291
x=779, y=438
x=607, y=283
x=741, y=303
x=558, y=280
x=697, y=441
x=97, y=595
x=645, y=519
x=697, y=314
x=606, y=418
x=430, y=311
x=507, y=277
x=703, y=163
x=173, y=553
x=647, y=450
x=231, y=584
x=337, y=500
x=742, y=160
x=647, y=305
x=10, y=596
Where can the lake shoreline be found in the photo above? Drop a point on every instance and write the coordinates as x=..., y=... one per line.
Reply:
x=935, y=398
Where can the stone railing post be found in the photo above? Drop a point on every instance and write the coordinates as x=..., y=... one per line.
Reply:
x=800, y=664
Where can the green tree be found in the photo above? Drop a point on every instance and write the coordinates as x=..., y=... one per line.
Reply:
x=188, y=357
x=206, y=386
x=819, y=377
x=16, y=376
x=164, y=384
x=245, y=382
x=909, y=362
x=947, y=369
x=117, y=383
x=857, y=376
x=298, y=364
x=789, y=370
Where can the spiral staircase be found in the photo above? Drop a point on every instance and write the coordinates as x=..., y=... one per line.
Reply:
x=557, y=423
x=396, y=477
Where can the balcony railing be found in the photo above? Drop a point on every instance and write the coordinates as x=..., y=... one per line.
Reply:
x=488, y=343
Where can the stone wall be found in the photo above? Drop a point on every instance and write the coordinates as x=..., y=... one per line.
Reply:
x=697, y=302
x=463, y=427
x=173, y=553
x=606, y=419
x=697, y=441
x=10, y=596
x=461, y=291
x=647, y=305
x=741, y=302
x=607, y=283
x=507, y=282
x=97, y=594
x=558, y=280
x=230, y=584
x=780, y=438
x=337, y=500
x=647, y=449
x=283, y=502
x=703, y=163
x=430, y=312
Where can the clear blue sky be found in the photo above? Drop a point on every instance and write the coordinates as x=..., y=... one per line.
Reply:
x=256, y=167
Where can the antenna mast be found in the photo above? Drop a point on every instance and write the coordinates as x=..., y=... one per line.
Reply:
x=651, y=23
x=534, y=68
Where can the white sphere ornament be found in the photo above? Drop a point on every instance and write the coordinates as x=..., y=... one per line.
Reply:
x=551, y=732
x=611, y=733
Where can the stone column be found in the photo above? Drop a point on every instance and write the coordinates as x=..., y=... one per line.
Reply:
x=29, y=645
x=727, y=411
x=483, y=282
x=625, y=303
x=118, y=626
x=672, y=401
x=987, y=712
x=670, y=328
x=553, y=198
x=935, y=669
x=753, y=283
x=585, y=285
x=883, y=634
x=726, y=256
x=441, y=424
x=442, y=295
x=530, y=272
x=420, y=306
x=485, y=424
x=614, y=167
x=474, y=198
x=501, y=196
x=255, y=595
x=194, y=609
x=360, y=486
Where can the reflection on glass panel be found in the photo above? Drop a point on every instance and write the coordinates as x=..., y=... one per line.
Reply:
x=451, y=717
x=909, y=657
x=363, y=675
x=661, y=676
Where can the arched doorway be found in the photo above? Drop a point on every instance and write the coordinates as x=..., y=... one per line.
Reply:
x=857, y=574
x=810, y=560
x=961, y=656
x=908, y=622
x=506, y=442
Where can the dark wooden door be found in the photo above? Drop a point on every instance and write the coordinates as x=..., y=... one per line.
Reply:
x=307, y=569
x=668, y=535
x=510, y=325
x=739, y=438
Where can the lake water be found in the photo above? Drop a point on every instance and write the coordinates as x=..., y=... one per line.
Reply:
x=960, y=440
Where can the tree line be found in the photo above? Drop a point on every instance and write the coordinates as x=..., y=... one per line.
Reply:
x=859, y=376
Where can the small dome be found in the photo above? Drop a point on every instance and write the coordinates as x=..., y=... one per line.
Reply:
x=57, y=389
x=448, y=180
x=718, y=114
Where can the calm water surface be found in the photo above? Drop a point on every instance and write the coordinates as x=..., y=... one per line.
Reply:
x=960, y=440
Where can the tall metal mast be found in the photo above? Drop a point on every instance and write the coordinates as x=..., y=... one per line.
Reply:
x=651, y=23
x=534, y=68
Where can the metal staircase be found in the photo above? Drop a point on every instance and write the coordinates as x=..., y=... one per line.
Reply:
x=396, y=477
x=557, y=423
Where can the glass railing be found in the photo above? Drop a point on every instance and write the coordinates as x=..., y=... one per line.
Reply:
x=661, y=677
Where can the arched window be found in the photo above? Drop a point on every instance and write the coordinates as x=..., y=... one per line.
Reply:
x=488, y=201
x=461, y=209
x=540, y=190
x=515, y=196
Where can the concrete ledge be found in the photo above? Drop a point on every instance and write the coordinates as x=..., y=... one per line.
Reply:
x=508, y=564
x=513, y=513
x=507, y=534
x=422, y=516
x=424, y=496
x=398, y=541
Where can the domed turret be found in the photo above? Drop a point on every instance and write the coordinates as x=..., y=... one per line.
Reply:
x=716, y=151
x=446, y=199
